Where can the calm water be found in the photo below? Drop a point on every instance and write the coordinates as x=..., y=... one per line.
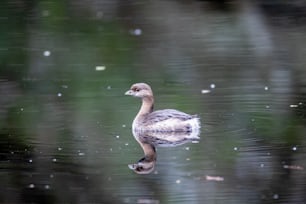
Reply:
x=65, y=123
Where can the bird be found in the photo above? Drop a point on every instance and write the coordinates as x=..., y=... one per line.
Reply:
x=151, y=129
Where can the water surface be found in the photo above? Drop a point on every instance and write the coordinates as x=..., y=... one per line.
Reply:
x=65, y=123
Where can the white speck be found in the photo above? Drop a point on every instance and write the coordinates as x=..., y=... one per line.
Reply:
x=108, y=87
x=294, y=148
x=59, y=94
x=47, y=187
x=214, y=178
x=117, y=136
x=235, y=148
x=266, y=88
x=51, y=176
x=275, y=196
x=81, y=153
x=253, y=120
x=59, y=149
x=178, y=181
x=65, y=86
x=262, y=165
x=21, y=109
x=123, y=125
x=293, y=106
x=126, y=144
x=300, y=103
x=45, y=13
x=30, y=160
x=54, y=160
x=212, y=86
x=47, y=53
x=194, y=141
x=187, y=159
x=111, y=149
x=31, y=185
x=100, y=68
x=136, y=32
x=267, y=106
x=99, y=14
x=205, y=91
x=187, y=148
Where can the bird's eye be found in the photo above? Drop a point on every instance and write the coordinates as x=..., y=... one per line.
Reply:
x=136, y=89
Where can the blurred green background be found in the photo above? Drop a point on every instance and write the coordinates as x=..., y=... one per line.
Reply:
x=65, y=124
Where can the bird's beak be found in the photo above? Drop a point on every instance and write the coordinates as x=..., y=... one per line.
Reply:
x=129, y=93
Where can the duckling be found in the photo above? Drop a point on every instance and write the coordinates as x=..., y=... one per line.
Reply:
x=166, y=127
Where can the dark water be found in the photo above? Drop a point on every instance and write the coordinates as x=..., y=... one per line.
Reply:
x=65, y=123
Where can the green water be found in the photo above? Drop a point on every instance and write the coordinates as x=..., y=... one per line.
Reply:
x=65, y=123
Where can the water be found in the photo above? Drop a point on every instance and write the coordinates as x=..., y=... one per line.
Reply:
x=65, y=123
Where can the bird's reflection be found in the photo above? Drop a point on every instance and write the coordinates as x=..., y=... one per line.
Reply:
x=149, y=140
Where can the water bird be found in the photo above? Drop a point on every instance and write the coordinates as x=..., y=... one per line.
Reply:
x=168, y=127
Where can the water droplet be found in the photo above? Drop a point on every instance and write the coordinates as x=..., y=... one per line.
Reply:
x=100, y=68
x=54, y=160
x=59, y=94
x=47, y=53
x=136, y=32
x=178, y=181
x=117, y=136
x=31, y=185
x=99, y=14
x=45, y=13
x=235, y=148
x=294, y=148
x=205, y=91
x=275, y=196
x=30, y=160
x=212, y=86
x=266, y=88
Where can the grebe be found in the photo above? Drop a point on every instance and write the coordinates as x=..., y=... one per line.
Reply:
x=166, y=127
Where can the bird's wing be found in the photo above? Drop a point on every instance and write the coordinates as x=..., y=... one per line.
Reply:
x=162, y=115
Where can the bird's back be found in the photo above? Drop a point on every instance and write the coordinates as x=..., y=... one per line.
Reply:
x=168, y=120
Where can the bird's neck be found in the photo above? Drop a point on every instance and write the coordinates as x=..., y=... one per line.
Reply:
x=146, y=106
